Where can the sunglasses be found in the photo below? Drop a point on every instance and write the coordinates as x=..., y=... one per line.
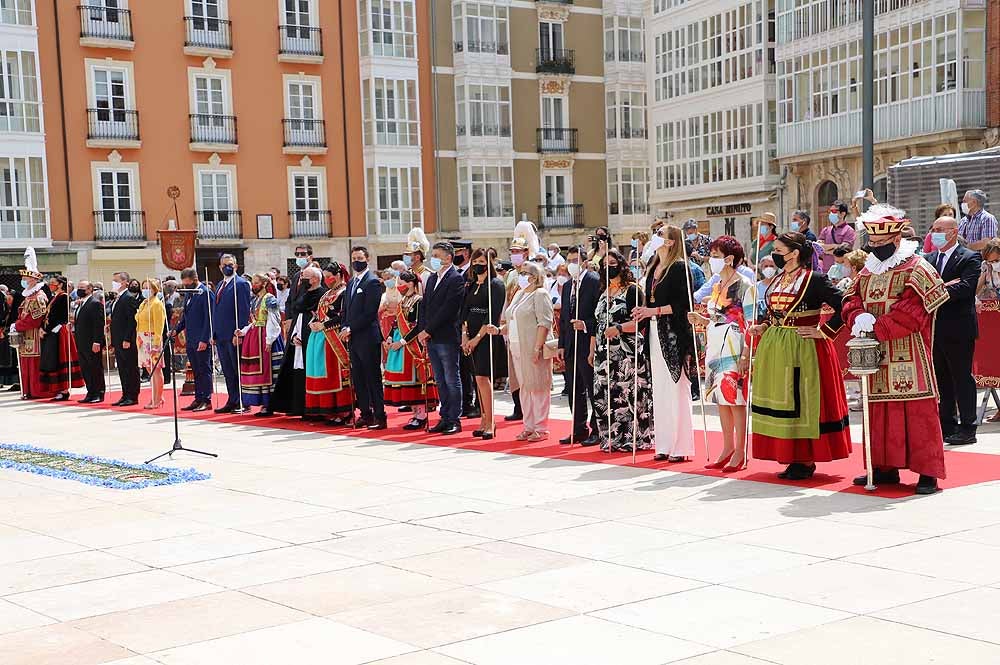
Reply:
x=301, y=254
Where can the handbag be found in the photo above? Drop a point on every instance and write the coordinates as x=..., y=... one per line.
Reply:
x=551, y=348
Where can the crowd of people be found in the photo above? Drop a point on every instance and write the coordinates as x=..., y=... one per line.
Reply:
x=639, y=333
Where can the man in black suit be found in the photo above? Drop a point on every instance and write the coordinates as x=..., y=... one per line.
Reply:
x=440, y=324
x=576, y=330
x=123, y=337
x=362, y=333
x=956, y=331
x=88, y=330
x=470, y=409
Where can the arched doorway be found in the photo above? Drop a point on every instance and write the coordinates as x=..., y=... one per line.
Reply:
x=826, y=194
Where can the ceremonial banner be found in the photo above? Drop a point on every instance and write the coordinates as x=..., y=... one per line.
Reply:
x=177, y=248
x=986, y=361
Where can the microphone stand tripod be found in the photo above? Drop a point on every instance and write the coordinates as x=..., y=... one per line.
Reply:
x=177, y=447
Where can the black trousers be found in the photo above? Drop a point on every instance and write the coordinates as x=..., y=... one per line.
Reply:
x=92, y=371
x=366, y=374
x=581, y=391
x=128, y=370
x=468, y=382
x=953, y=367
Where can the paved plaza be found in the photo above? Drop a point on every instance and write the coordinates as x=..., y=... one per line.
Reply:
x=308, y=548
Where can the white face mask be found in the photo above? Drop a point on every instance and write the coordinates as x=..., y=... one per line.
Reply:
x=995, y=265
x=654, y=244
x=574, y=269
x=523, y=282
x=116, y=286
x=561, y=280
x=768, y=272
x=553, y=253
x=716, y=265
x=965, y=208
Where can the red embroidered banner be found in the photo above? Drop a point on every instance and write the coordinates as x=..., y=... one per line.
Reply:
x=986, y=361
x=177, y=248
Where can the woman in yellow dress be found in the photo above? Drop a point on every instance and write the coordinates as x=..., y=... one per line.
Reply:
x=150, y=321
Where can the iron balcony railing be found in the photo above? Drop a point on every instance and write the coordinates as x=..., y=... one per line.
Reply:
x=472, y=46
x=119, y=225
x=626, y=133
x=555, y=61
x=99, y=22
x=300, y=40
x=561, y=216
x=112, y=124
x=309, y=223
x=483, y=130
x=624, y=55
x=208, y=33
x=219, y=224
x=210, y=128
x=304, y=133
x=556, y=139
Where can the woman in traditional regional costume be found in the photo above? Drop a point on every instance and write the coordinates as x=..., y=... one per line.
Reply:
x=328, y=363
x=799, y=409
x=290, y=390
x=150, y=320
x=728, y=306
x=8, y=359
x=621, y=377
x=988, y=305
x=261, y=348
x=670, y=346
x=486, y=292
x=58, y=364
x=407, y=376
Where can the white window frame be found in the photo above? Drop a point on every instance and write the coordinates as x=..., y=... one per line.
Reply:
x=17, y=12
x=489, y=114
x=469, y=20
x=19, y=113
x=391, y=203
x=313, y=14
x=13, y=190
x=395, y=42
x=309, y=227
x=500, y=190
x=308, y=130
x=391, y=111
x=554, y=39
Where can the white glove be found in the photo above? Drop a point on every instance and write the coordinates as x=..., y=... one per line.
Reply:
x=865, y=323
x=57, y=329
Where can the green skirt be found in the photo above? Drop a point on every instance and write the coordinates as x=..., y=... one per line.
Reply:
x=786, y=386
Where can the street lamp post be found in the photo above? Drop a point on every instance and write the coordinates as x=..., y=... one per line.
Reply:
x=868, y=97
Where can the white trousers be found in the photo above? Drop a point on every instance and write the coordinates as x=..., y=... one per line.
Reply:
x=535, y=405
x=673, y=425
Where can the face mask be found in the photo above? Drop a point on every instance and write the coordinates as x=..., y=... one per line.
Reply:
x=435, y=263
x=995, y=265
x=359, y=266
x=635, y=244
x=764, y=230
x=795, y=226
x=834, y=218
x=716, y=265
x=779, y=260
x=939, y=240
x=523, y=282
x=768, y=272
x=116, y=286
x=574, y=269
x=24, y=283
x=133, y=288
x=281, y=287
x=883, y=252
x=614, y=271
x=517, y=259
x=636, y=272
x=650, y=248
x=553, y=253
x=562, y=279
x=81, y=293
x=390, y=284
x=692, y=236
x=301, y=261
x=407, y=260
x=478, y=269
x=228, y=270
x=965, y=208
x=459, y=259
x=146, y=293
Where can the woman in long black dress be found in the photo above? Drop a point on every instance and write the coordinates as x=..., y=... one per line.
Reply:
x=475, y=341
x=290, y=389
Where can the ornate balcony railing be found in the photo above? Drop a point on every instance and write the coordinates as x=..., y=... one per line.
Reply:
x=99, y=22
x=212, y=33
x=562, y=216
x=556, y=139
x=219, y=224
x=302, y=133
x=555, y=61
x=309, y=223
x=119, y=225
x=112, y=125
x=300, y=40
x=210, y=128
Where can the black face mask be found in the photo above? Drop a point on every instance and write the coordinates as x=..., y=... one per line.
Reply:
x=133, y=288
x=478, y=269
x=614, y=271
x=359, y=266
x=883, y=252
x=81, y=293
x=459, y=259
x=779, y=261
x=281, y=287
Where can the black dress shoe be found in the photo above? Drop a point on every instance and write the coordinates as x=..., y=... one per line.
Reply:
x=118, y=402
x=591, y=440
x=378, y=424
x=93, y=400
x=477, y=433
x=362, y=423
x=229, y=408
x=514, y=417
x=415, y=424
x=202, y=406
x=473, y=412
x=487, y=436
x=264, y=413
x=453, y=427
x=190, y=407
x=660, y=457
x=440, y=427
x=574, y=438
x=962, y=437
x=880, y=477
x=61, y=397
x=799, y=471
x=927, y=485
x=128, y=402
x=16, y=388
x=238, y=410
x=85, y=400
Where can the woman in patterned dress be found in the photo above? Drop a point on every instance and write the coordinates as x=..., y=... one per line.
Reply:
x=731, y=299
x=261, y=348
x=621, y=378
x=407, y=375
x=150, y=320
x=328, y=366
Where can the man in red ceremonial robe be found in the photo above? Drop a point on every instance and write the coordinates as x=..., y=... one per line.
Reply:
x=896, y=296
x=30, y=318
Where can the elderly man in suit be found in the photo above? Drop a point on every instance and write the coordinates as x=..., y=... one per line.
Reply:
x=577, y=325
x=440, y=324
x=232, y=311
x=88, y=329
x=956, y=331
x=123, y=340
x=361, y=331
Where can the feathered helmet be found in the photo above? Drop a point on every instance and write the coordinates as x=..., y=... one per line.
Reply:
x=882, y=219
x=417, y=241
x=525, y=238
x=31, y=265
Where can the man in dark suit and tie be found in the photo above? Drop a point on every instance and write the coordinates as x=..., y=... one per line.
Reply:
x=363, y=335
x=232, y=311
x=956, y=331
x=88, y=329
x=196, y=322
x=440, y=324
x=123, y=337
x=470, y=409
x=576, y=330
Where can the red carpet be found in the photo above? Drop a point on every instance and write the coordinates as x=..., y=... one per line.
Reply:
x=963, y=468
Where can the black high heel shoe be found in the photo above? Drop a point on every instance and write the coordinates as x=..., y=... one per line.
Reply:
x=486, y=435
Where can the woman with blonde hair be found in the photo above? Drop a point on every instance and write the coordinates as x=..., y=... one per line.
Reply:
x=150, y=321
x=528, y=325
